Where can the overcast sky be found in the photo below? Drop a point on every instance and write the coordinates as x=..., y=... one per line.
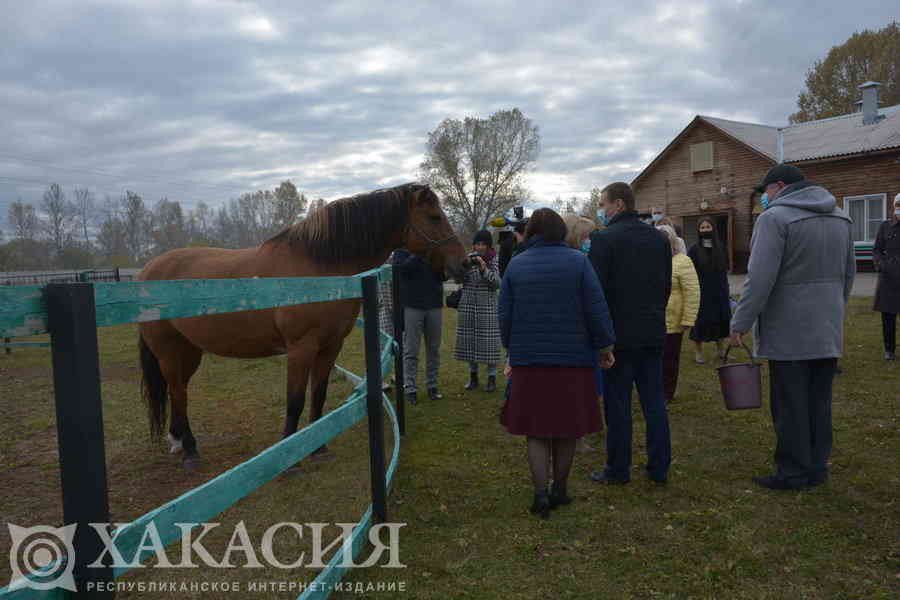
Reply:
x=203, y=100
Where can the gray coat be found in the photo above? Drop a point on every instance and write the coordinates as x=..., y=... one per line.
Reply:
x=801, y=271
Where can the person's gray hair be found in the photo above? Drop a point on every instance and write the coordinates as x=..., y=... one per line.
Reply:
x=675, y=242
x=577, y=226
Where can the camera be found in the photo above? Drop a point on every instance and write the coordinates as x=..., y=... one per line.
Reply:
x=470, y=261
x=518, y=219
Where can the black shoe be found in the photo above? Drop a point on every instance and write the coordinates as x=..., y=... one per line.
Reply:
x=491, y=384
x=541, y=505
x=412, y=398
x=655, y=479
x=890, y=355
x=473, y=382
x=602, y=477
x=773, y=482
x=558, y=496
x=818, y=479
x=434, y=394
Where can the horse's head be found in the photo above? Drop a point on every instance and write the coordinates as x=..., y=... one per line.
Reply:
x=429, y=233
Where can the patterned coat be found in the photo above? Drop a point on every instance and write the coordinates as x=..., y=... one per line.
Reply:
x=478, y=330
x=386, y=304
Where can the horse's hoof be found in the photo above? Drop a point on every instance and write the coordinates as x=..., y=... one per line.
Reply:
x=174, y=444
x=192, y=463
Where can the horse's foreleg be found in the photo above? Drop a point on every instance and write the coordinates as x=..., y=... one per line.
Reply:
x=319, y=376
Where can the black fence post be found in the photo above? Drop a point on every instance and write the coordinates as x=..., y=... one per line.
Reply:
x=373, y=397
x=72, y=322
x=399, y=326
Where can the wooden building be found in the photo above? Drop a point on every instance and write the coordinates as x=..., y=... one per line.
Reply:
x=711, y=167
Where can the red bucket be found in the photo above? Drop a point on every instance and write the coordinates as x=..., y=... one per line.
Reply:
x=741, y=382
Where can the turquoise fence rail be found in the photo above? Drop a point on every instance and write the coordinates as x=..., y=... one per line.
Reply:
x=23, y=309
x=134, y=303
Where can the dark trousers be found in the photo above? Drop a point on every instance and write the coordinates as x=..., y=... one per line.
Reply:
x=889, y=328
x=643, y=368
x=800, y=399
x=671, y=364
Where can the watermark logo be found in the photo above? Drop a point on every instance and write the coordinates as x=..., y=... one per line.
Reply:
x=41, y=557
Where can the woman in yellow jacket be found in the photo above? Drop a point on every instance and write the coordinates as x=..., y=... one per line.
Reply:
x=681, y=312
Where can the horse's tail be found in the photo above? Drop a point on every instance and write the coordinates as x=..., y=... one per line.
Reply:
x=154, y=389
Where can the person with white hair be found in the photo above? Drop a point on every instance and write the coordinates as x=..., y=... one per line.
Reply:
x=681, y=311
x=886, y=258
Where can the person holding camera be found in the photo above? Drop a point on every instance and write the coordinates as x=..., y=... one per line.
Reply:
x=477, y=331
x=556, y=325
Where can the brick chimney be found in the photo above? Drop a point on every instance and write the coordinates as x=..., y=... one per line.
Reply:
x=870, y=102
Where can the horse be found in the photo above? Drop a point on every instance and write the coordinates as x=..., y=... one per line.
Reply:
x=344, y=237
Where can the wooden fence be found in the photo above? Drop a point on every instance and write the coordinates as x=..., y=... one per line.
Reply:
x=71, y=314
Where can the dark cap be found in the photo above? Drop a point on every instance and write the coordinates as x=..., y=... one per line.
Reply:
x=483, y=236
x=787, y=173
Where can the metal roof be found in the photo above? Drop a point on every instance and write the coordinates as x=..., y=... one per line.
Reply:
x=762, y=138
x=842, y=135
x=836, y=136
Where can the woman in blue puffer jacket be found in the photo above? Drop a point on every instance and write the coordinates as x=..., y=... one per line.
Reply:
x=555, y=323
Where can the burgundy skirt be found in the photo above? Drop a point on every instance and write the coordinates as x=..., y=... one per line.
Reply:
x=552, y=402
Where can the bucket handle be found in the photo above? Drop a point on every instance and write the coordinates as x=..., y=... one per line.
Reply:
x=744, y=346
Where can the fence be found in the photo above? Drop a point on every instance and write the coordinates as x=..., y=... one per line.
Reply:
x=72, y=312
x=105, y=275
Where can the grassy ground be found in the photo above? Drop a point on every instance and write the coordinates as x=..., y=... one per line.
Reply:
x=463, y=486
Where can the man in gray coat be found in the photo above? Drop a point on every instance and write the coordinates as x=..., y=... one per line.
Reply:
x=798, y=283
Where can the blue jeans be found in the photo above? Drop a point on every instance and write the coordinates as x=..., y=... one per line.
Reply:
x=643, y=368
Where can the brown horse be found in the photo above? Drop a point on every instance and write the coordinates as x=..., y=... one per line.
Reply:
x=344, y=237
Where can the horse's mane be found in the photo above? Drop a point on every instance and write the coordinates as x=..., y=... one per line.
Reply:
x=355, y=227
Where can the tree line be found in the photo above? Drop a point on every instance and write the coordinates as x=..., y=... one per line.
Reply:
x=75, y=231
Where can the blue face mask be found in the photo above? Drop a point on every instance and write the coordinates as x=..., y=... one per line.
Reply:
x=657, y=217
x=586, y=245
x=601, y=214
x=764, y=201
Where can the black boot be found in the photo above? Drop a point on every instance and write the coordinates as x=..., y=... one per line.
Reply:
x=541, y=505
x=491, y=384
x=473, y=381
x=558, y=496
x=412, y=398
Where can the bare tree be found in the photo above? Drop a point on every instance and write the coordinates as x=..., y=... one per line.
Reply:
x=84, y=207
x=592, y=205
x=136, y=222
x=477, y=165
x=24, y=221
x=288, y=205
x=111, y=239
x=60, y=217
x=169, y=227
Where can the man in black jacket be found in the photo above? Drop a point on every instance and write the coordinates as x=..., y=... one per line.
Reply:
x=422, y=298
x=634, y=263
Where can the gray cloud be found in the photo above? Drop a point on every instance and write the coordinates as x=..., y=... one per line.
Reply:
x=202, y=100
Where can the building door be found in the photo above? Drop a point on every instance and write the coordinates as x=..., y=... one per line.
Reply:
x=724, y=229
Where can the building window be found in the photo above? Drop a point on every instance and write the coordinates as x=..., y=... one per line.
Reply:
x=867, y=213
x=701, y=157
